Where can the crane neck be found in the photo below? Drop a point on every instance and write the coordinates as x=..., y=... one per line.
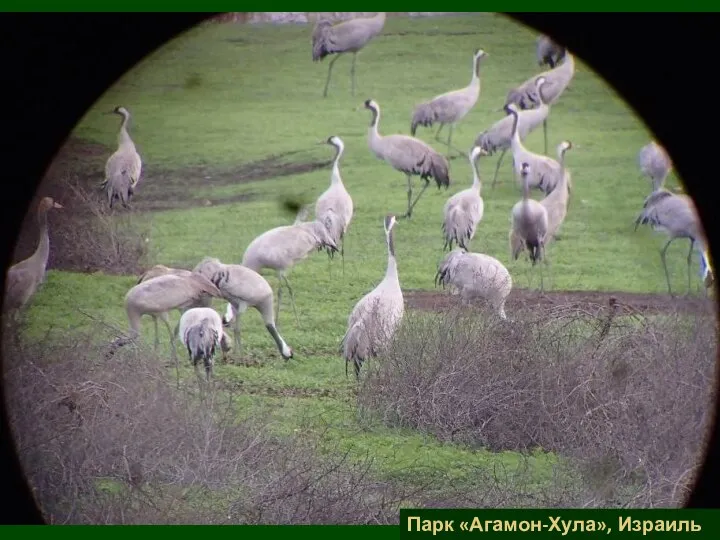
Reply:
x=123, y=135
x=335, y=178
x=476, y=176
x=525, y=187
x=515, y=138
x=42, y=252
x=391, y=273
x=373, y=133
x=475, y=80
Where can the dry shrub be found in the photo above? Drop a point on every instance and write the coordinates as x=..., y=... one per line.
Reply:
x=86, y=236
x=117, y=442
x=626, y=398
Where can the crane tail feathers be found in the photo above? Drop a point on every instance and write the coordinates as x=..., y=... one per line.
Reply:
x=424, y=115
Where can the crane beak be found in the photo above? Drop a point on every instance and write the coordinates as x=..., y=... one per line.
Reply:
x=57, y=205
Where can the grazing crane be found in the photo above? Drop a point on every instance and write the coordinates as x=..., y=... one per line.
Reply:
x=676, y=216
x=334, y=208
x=450, y=107
x=556, y=203
x=529, y=227
x=545, y=171
x=123, y=167
x=374, y=319
x=23, y=279
x=499, y=136
x=464, y=210
x=349, y=36
x=282, y=247
x=407, y=155
x=243, y=288
x=157, y=297
x=201, y=331
x=548, y=52
x=526, y=95
x=476, y=275
x=654, y=163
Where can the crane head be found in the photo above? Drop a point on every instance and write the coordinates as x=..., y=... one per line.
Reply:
x=371, y=104
x=525, y=169
x=122, y=111
x=476, y=152
x=390, y=221
x=47, y=203
x=479, y=53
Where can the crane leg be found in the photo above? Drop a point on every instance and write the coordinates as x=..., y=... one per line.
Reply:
x=689, y=263
x=664, y=262
x=342, y=255
x=327, y=82
x=157, y=338
x=437, y=133
x=497, y=167
x=172, y=347
x=427, y=183
x=545, y=133
x=237, y=335
x=409, y=197
x=292, y=299
x=352, y=73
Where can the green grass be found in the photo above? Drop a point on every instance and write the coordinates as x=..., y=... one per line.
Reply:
x=225, y=95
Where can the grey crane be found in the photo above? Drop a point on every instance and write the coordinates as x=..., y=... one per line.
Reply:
x=525, y=96
x=243, y=288
x=23, y=278
x=529, y=225
x=545, y=171
x=548, y=52
x=123, y=167
x=476, y=275
x=464, y=210
x=345, y=37
x=556, y=203
x=450, y=107
x=201, y=331
x=157, y=297
x=654, y=163
x=334, y=208
x=499, y=135
x=676, y=216
x=281, y=248
x=375, y=318
x=407, y=155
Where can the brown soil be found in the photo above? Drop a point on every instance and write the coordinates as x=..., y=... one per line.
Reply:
x=582, y=300
x=81, y=163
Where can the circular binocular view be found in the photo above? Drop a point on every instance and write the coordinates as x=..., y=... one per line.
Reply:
x=313, y=268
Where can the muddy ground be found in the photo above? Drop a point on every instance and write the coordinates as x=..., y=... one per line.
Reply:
x=81, y=233
x=84, y=235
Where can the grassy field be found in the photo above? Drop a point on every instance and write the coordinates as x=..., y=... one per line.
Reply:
x=223, y=100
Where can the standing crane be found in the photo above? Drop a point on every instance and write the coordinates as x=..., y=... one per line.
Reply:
x=375, y=318
x=345, y=37
x=407, y=155
x=450, y=107
x=123, y=167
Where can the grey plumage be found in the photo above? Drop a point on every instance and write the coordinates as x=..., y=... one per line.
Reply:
x=464, y=210
x=345, y=37
x=407, y=155
x=162, y=270
x=243, y=287
x=123, y=167
x=201, y=331
x=556, y=203
x=545, y=172
x=529, y=225
x=676, y=216
x=450, y=107
x=548, y=52
x=375, y=318
x=499, y=135
x=476, y=276
x=23, y=278
x=281, y=248
x=334, y=208
x=655, y=163
x=157, y=297
x=525, y=96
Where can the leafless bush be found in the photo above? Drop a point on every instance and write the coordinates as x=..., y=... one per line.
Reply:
x=116, y=442
x=625, y=398
x=87, y=236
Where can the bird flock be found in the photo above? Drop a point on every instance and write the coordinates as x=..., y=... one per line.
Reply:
x=375, y=318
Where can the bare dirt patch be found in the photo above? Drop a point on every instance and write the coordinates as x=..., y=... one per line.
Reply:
x=580, y=300
x=74, y=177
